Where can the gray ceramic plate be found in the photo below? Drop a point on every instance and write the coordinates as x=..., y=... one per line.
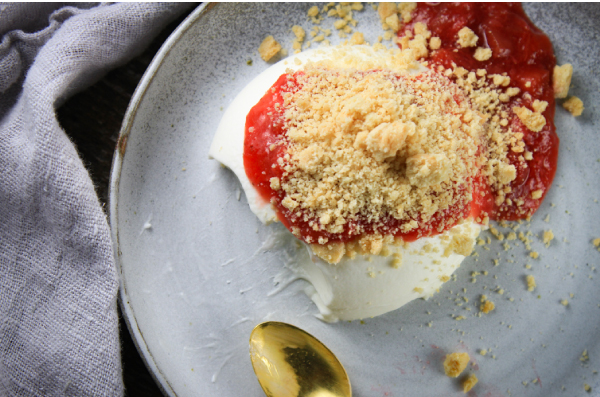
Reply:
x=194, y=282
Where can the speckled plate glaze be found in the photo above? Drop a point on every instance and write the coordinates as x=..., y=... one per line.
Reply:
x=194, y=281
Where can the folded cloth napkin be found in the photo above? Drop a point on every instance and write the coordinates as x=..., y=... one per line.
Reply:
x=59, y=331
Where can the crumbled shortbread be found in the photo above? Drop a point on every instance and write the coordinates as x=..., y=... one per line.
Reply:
x=268, y=48
x=469, y=383
x=406, y=10
x=313, y=11
x=331, y=252
x=512, y=91
x=428, y=169
x=386, y=9
x=506, y=173
x=530, y=282
x=537, y=194
x=340, y=24
x=467, y=38
x=421, y=28
x=357, y=39
x=574, y=105
x=338, y=138
x=533, y=120
x=561, y=80
x=299, y=33
x=435, y=43
x=396, y=260
x=385, y=140
x=547, y=237
x=275, y=183
x=482, y=54
x=461, y=244
x=419, y=46
x=393, y=22
x=356, y=6
x=455, y=364
x=500, y=80
x=486, y=305
x=539, y=106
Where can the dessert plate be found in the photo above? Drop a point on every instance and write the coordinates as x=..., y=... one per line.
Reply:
x=199, y=271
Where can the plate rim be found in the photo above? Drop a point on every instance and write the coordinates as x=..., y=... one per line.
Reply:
x=114, y=184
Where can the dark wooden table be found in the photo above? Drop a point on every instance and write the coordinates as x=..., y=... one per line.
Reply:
x=92, y=119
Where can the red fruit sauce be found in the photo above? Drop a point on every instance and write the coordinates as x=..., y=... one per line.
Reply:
x=518, y=48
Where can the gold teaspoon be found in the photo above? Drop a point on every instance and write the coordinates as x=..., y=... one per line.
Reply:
x=290, y=362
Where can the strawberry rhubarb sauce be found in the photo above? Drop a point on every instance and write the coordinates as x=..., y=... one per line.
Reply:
x=267, y=163
x=455, y=124
x=502, y=41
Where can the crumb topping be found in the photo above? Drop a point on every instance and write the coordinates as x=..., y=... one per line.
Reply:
x=530, y=283
x=482, y=54
x=377, y=144
x=467, y=38
x=534, y=121
x=455, y=364
x=268, y=48
x=435, y=43
x=547, y=237
x=357, y=38
x=561, y=80
x=469, y=383
x=486, y=305
x=406, y=10
x=386, y=10
x=574, y=105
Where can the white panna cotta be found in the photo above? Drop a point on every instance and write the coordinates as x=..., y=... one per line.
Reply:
x=364, y=285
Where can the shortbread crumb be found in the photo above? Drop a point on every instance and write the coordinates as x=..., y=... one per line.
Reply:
x=537, y=194
x=341, y=137
x=467, y=38
x=469, y=383
x=386, y=10
x=486, y=305
x=561, y=80
x=406, y=10
x=268, y=48
x=455, y=364
x=357, y=38
x=533, y=120
x=313, y=11
x=482, y=54
x=548, y=236
x=574, y=105
x=299, y=33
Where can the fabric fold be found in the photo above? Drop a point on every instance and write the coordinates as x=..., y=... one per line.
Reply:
x=58, y=282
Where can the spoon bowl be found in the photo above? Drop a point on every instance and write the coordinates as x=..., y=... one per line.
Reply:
x=290, y=362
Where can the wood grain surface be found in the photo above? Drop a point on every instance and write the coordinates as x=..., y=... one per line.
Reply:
x=92, y=119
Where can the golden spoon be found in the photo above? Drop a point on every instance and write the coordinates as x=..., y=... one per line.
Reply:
x=290, y=362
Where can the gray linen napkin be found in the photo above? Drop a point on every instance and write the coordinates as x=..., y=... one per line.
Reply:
x=58, y=282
